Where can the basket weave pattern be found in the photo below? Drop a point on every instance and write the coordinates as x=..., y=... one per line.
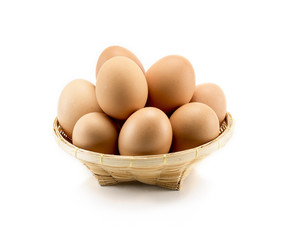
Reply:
x=165, y=170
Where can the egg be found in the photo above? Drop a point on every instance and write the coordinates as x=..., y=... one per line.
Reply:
x=121, y=87
x=147, y=131
x=213, y=96
x=193, y=124
x=76, y=99
x=96, y=132
x=114, y=51
x=171, y=83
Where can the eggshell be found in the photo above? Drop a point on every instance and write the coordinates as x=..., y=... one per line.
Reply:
x=76, y=99
x=213, y=96
x=193, y=124
x=121, y=87
x=96, y=132
x=114, y=51
x=171, y=83
x=147, y=131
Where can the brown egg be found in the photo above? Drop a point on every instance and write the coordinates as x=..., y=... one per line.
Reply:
x=193, y=124
x=96, y=132
x=171, y=83
x=76, y=99
x=213, y=96
x=114, y=51
x=147, y=131
x=121, y=87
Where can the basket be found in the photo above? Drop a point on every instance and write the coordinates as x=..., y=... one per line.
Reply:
x=165, y=170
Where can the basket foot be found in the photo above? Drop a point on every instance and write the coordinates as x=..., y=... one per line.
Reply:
x=105, y=180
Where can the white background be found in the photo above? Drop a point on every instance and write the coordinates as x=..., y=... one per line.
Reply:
x=240, y=192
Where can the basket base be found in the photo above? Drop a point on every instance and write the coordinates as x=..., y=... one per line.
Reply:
x=108, y=180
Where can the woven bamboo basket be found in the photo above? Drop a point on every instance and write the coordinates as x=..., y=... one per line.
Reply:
x=165, y=170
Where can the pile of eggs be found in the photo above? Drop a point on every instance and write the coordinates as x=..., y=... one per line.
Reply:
x=133, y=112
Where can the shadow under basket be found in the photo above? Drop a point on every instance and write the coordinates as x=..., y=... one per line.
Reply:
x=165, y=170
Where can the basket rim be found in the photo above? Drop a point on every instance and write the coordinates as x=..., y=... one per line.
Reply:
x=229, y=122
